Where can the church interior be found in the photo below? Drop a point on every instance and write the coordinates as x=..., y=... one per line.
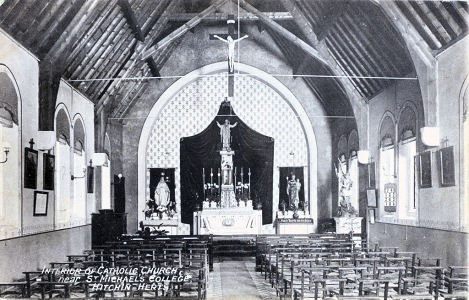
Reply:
x=234, y=149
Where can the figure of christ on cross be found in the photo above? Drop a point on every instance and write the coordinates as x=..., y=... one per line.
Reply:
x=231, y=47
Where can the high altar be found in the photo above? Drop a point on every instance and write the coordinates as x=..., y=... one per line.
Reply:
x=227, y=210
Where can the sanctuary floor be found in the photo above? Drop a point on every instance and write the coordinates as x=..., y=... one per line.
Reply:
x=234, y=279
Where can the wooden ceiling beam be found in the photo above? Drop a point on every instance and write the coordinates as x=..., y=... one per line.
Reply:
x=46, y=21
x=428, y=22
x=243, y=16
x=348, y=85
x=441, y=19
x=131, y=19
x=355, y=51
x=284, y=32
x=108, y=44
x=76, y=27
x=150, y=50
x=131, y=61
x=431, y=41
x=91, y=38
x=54, y=31
x=456, y=15
x=333, y=15
x=380, y=46
x=40, y=15
x=160, y=60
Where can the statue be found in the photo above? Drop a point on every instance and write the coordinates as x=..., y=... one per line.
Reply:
x=162, y=197
x=293, y=192
x=345, y=190
x=225, y=134
x=231, y=44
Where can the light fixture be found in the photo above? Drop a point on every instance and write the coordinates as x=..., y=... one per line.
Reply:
x=363, y=156
x=78, y=177
x=99, y=159
x=430, y=136
x=6, y=149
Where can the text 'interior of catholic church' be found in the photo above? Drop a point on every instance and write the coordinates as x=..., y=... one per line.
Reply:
x=234, y=149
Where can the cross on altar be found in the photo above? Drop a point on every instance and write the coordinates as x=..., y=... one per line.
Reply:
x=230, y=40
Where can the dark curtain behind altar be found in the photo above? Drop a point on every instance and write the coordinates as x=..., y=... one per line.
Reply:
x=252, y=150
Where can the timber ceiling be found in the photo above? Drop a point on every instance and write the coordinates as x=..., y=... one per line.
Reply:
x=105, y=38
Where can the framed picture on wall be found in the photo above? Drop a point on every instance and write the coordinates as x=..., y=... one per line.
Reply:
x=371, y=215
x=30, y=168
x=41, y=200
x=425, y=169
x=446, y=167
x=48, y=171
x=371, y=197
x=371, y=176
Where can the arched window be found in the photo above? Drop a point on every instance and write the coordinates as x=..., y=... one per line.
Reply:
x=464, y=96
x=387, y=184
x=63, y=204
x=79, y=173
x=106, y=176
x=10, y=168
x=407, y=131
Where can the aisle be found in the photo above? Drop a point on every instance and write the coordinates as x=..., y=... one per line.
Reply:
x=237, y=279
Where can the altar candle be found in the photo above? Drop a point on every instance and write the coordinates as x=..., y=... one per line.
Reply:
x=203, y=180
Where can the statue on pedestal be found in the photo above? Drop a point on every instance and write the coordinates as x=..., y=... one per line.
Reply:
x=345, y=208
x=225, y=134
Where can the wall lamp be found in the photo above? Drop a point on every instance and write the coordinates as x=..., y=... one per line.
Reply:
x=78, y=177
x=6, y=149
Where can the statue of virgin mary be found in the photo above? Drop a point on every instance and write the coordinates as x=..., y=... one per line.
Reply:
x=162, y=193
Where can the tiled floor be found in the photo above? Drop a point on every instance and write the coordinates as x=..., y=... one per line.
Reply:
x=237, y=279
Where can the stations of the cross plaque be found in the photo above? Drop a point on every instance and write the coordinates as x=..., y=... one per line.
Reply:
x=229, y=39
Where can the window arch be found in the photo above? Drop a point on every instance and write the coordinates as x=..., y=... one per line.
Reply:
x=79, y=211
x=10, y=176
x=8, y=101
x=106, y=176
x=63, y=169
x=342, y=150
x=407, y=131
x=387, y=169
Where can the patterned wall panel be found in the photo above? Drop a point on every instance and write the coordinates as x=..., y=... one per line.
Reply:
x=194, y=107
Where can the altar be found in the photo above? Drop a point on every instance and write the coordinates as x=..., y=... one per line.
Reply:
x=228, y=221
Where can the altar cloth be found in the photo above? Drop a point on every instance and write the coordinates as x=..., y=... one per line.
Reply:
x=228, y=221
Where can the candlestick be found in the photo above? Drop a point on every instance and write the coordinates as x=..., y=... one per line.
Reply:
x=203, y=180
x=249, y=178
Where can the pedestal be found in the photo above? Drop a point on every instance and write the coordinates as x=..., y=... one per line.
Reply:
x=302, y=225
x=170, y=225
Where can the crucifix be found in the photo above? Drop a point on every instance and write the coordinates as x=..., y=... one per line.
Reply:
x=230, y=41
